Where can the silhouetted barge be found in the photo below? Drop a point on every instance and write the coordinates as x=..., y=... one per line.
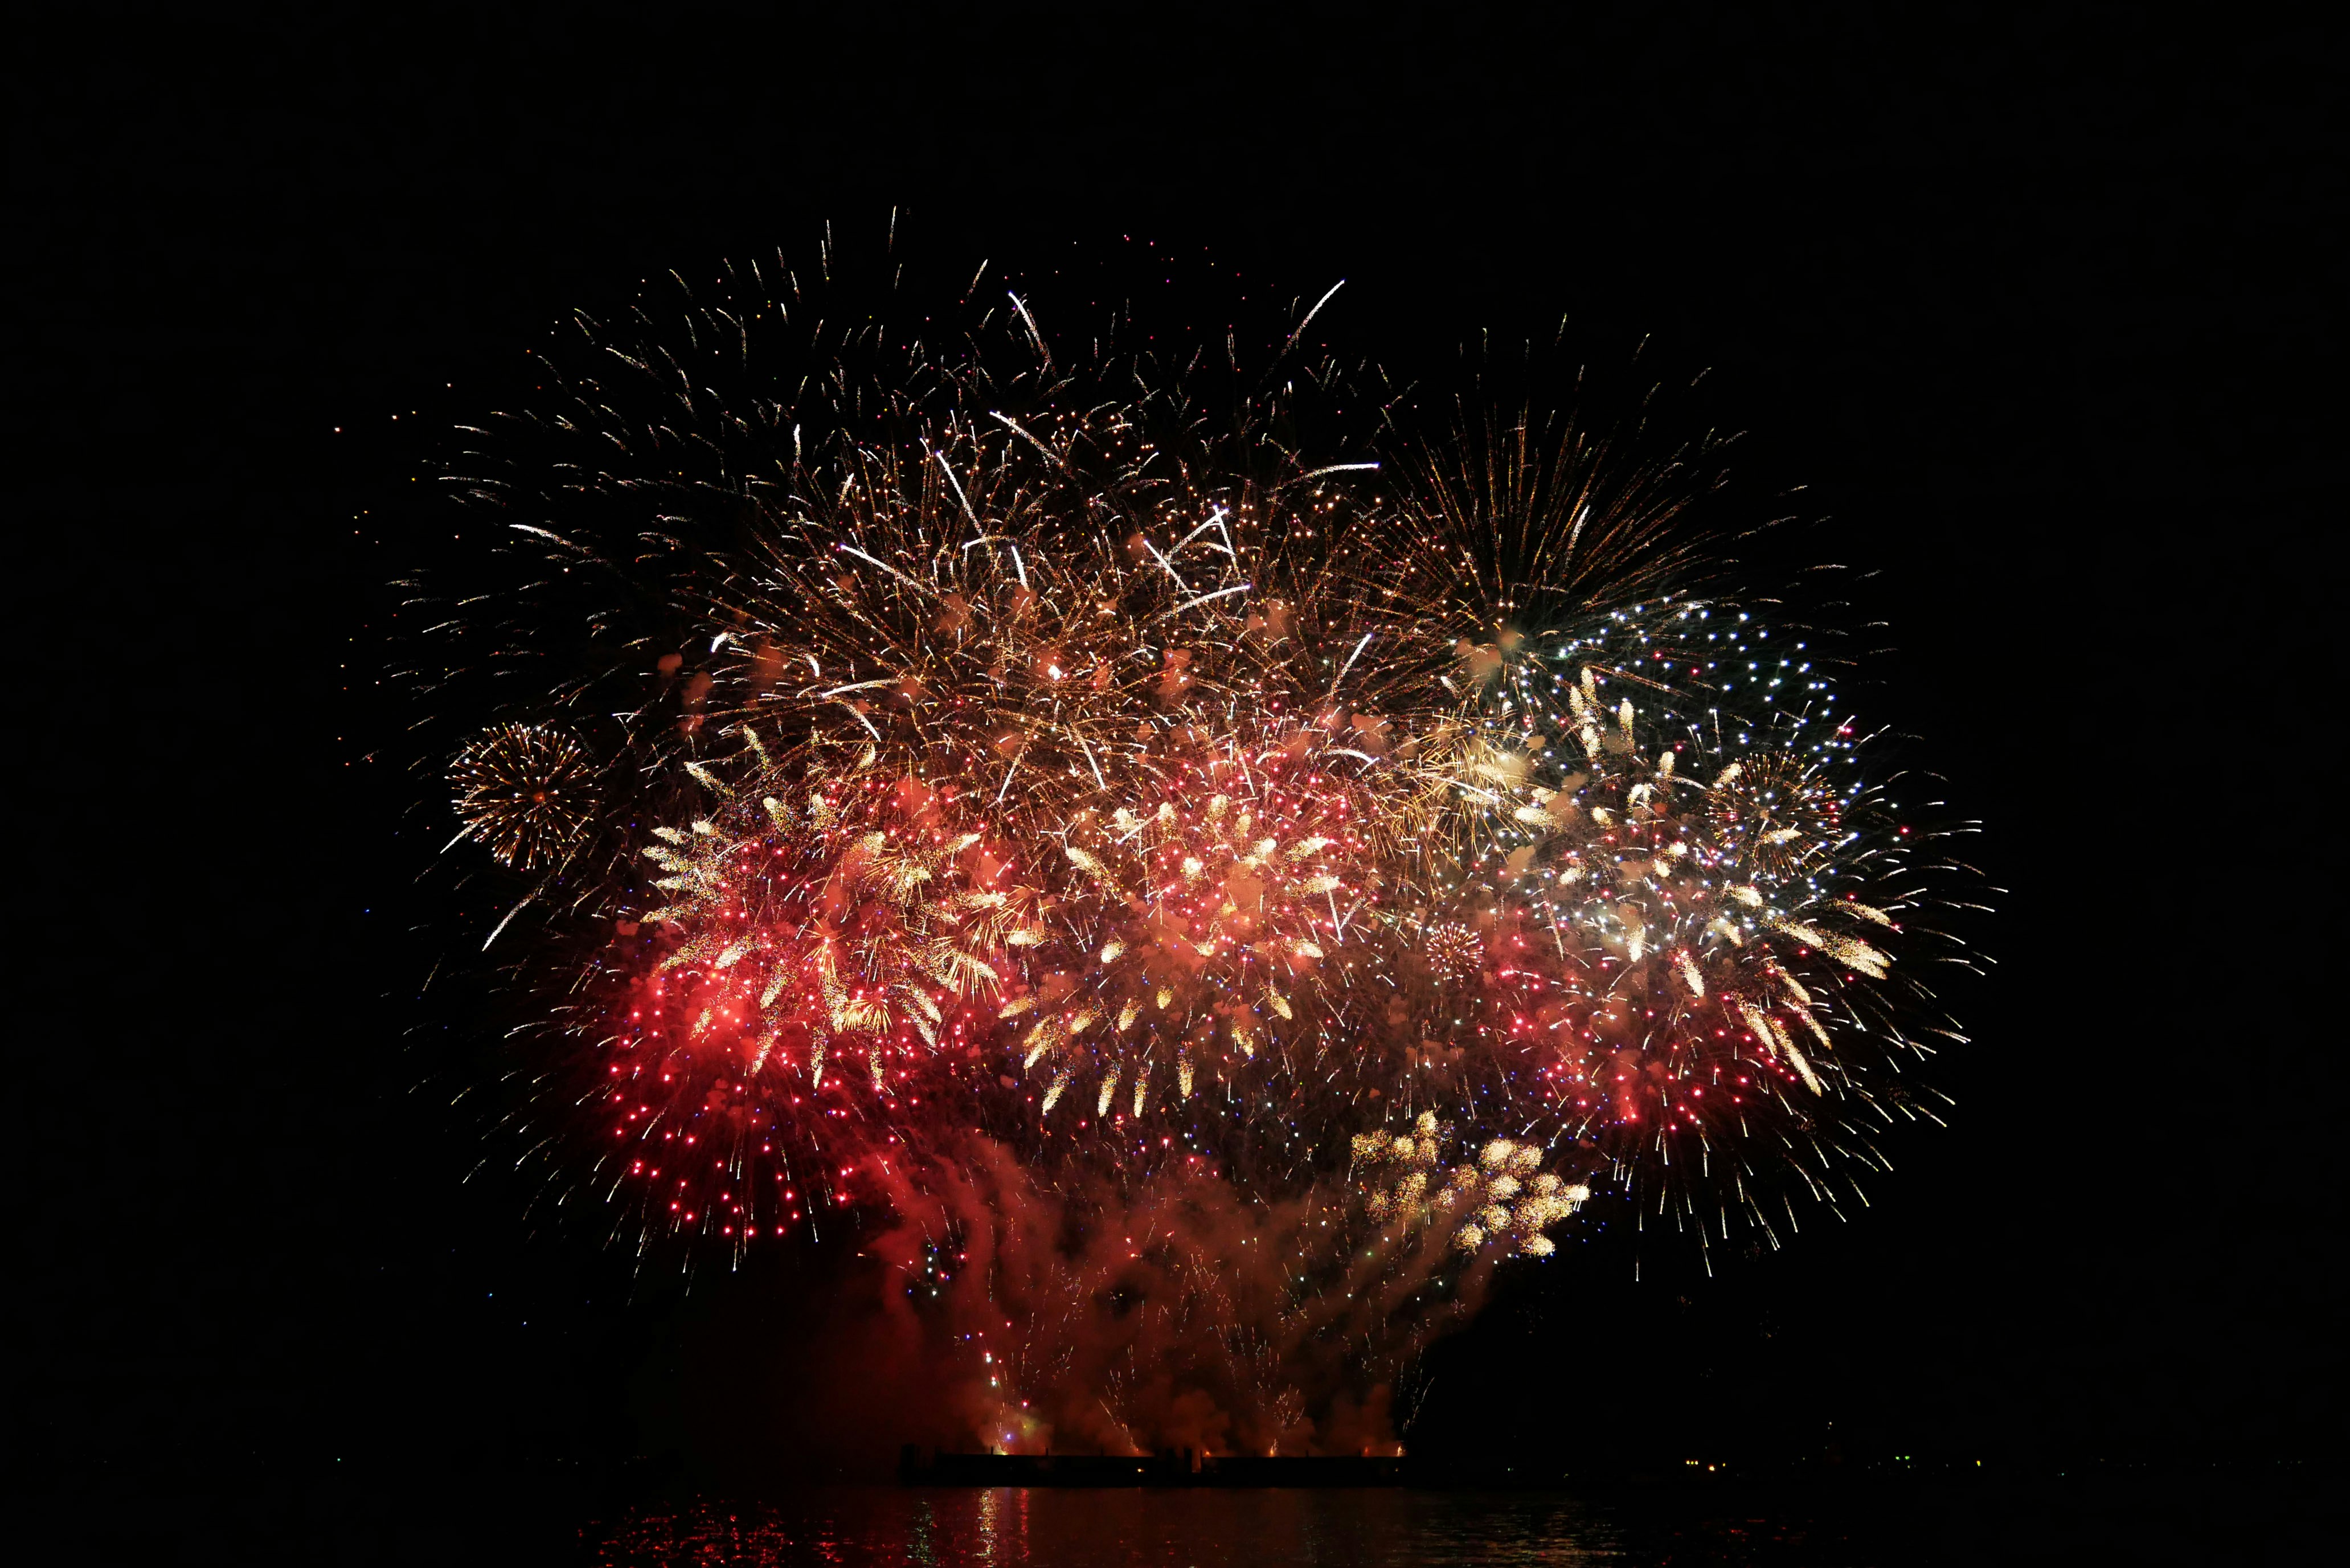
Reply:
x=1179, y=1466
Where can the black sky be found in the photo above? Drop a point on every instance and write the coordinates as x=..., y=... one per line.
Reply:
x=2045, y=312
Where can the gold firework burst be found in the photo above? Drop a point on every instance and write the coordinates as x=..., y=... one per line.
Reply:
x=527, y=792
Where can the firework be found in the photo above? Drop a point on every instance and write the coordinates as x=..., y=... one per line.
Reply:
x=1692, y=902
x=526, y=792
x=1007, y=791
x=1501, y=1199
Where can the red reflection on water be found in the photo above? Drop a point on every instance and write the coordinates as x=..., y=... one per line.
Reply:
x=954, y=1527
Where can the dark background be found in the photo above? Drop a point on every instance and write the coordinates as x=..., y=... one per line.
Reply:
x=2045, y=312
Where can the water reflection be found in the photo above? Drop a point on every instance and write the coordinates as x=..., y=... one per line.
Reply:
x=1377, y=1528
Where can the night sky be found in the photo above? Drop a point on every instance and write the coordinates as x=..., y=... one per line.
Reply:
x=2041, y=313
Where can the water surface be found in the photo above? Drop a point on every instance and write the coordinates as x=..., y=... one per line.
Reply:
x=2208, y=1520
x=1366, y=1528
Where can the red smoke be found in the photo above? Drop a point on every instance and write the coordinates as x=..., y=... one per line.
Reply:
x=1178, y=1314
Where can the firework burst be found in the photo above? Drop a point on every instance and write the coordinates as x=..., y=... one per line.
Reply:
x=980, y=760
x=526, y=792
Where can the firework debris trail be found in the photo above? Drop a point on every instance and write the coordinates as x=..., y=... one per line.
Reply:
x=1203, y=895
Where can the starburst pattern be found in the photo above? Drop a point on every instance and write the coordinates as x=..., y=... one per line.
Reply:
x=998, y=758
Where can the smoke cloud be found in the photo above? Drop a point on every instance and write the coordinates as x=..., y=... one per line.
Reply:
x=1181, y=1313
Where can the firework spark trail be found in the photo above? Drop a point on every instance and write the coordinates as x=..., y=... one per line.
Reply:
x=980, y=789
